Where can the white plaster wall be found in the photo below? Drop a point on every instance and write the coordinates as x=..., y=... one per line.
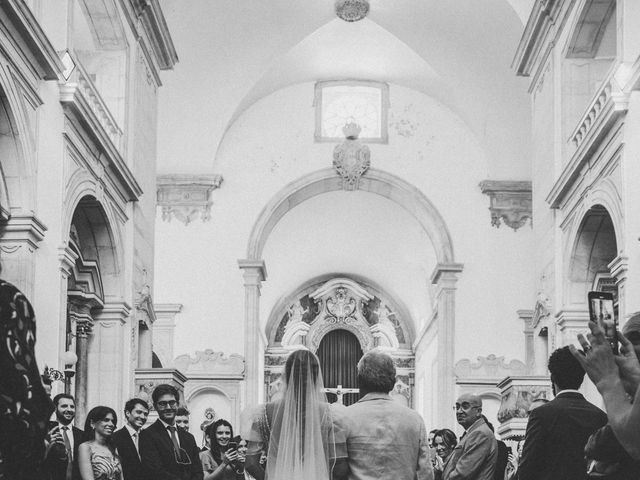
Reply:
x=272, y=145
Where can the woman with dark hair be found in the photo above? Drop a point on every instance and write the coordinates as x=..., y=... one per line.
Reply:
x=444, y=441
x=223, y=460
x=299, y=430
x=97, y=457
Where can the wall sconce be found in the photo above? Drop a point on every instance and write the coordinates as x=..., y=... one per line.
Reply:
x=69, y=359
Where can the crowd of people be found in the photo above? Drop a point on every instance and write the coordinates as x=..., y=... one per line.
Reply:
x=299, y=436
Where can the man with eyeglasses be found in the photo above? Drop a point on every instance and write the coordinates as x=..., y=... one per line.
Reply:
x=475, y=456
x=168, y=452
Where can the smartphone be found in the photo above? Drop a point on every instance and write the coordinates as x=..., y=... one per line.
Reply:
x=232, y=446
x=51, y=424
x=602, y=313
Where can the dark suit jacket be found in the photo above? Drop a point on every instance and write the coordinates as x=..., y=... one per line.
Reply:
x=158, y=457
x=557, y=433
x=55, y=462
x=131, y=464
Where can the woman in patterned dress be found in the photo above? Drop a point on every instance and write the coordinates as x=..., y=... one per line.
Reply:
x=97, y=457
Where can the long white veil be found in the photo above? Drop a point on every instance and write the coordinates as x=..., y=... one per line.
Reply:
x=302, y=442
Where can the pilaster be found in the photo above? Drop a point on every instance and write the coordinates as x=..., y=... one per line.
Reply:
x=445, y=277
x=254, y=272
x=570, y=323
x=526, y=316
x=163, y=331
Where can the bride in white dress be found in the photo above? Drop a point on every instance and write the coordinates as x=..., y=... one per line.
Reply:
x=300, y=432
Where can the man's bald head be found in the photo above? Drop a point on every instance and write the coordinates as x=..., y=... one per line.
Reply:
x=468, y=409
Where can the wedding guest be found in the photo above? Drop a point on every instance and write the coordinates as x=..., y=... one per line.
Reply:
x=385, y=440
x=182, y=418
x=475, y=456
x=444, y=442
x=127, y=439
x=25, y=407
x=221, y=461
x=617, y=378
x=557, y=431
x=97, y=458
x=168, y=452
x=61, y=459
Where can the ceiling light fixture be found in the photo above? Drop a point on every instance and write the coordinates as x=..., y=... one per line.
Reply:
x=352, y=10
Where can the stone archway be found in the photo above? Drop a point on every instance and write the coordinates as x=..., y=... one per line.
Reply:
x=393, y=188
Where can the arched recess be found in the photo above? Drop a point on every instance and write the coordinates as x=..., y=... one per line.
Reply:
x=94, y=280
x=393, y=188
x=200, y=399
x=375, y=181
x=594, y=248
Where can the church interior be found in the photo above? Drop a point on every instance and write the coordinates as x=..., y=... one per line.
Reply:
x=191, y=190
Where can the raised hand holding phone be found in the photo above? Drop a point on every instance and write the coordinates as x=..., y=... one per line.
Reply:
x=602, y=313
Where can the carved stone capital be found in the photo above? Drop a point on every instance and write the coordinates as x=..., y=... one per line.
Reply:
x=186, y=197
x=518, y=392
x=21, y=229
x=510, y=202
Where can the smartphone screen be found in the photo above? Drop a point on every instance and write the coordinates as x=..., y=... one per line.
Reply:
x=601, y=312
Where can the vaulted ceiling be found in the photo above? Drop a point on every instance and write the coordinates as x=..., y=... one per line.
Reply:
x=233, y=53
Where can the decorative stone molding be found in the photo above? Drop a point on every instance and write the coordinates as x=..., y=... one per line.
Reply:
x=22, y=228
x=510, y=201
x=518, y=392
x=351, y=159
x=489, y=367
x=149, y=12
x=146, y=379
x=186, y=197
x=542, y=309
x=536, y=33
x=210, y=363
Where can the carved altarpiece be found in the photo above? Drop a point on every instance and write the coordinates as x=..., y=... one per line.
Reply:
x=340, y=303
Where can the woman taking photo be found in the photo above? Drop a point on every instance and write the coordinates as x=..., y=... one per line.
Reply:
x=444, y=442
x=97, y=458
x=221, y=461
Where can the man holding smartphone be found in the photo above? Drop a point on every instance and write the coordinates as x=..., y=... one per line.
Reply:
x=557, y=431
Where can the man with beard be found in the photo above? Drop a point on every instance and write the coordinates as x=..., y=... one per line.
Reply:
x=168, y=452
x=61, y=461
x=474, y=458
x=127, y=439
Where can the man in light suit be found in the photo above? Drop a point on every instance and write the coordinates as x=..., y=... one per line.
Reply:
x=557, y=431
x=61, y=461
x=168, y=452
x=127, y=439
x=475, y=456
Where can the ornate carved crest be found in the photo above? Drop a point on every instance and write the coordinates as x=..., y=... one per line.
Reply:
x=186, y=197
x=340, y=307
x=210, y=362
x=351, y=159
x=489, y=367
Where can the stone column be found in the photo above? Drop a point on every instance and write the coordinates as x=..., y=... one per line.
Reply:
x=80, y=314
x=163, y=331
x=618, y=268
x=529, y=353
x=254, y=273
x=445, y=277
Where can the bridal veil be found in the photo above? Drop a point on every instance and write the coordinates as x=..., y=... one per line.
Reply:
x=299, y=431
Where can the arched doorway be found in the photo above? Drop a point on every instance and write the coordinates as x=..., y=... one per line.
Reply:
x=339, y=353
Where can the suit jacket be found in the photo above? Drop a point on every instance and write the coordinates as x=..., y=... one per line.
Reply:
x=474, y=458
x=158, y=455
x=132, y=468
x=556, y=435
x=55, y=462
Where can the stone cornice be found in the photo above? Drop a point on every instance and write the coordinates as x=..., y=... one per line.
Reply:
x=49, y=66
x=186, y=197
x=23, y=228
x=535, y=36
x=251, y=267
x=84, y=106
x=606, y=110
x=441, y=271
x=510, y=201
x=152, y=19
